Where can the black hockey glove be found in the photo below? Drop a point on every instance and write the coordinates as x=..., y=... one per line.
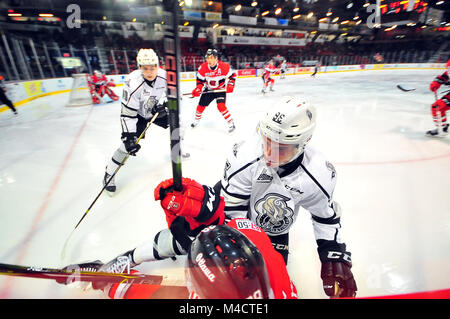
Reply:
x=129, y=140
x=163, y=117
x=336, y=275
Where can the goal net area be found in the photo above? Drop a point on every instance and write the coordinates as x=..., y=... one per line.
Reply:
x=80, y=94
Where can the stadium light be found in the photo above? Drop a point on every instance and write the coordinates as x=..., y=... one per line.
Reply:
x=296, y=16
x=296, y=9
x=278, y=11
x=265, y=13
x=238, y=8
x=46, y=15
x=254, y=3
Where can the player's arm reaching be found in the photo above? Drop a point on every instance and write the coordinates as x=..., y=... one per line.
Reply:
x=200, y=83
x=129, y=114
x=231, y=81
x=336, y=261
x=438, y=81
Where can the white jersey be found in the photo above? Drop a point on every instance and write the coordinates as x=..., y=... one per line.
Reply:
x=140, y=96
x=272, y=199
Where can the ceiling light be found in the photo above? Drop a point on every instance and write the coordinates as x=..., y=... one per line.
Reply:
x=254, y=3
x=296, y=9
x=14, y=14
x=310, y=15
x=265, y=13
x=296, y=16
x=335, y=20
x=278, y=11
x=238, y=8
x=46, y=15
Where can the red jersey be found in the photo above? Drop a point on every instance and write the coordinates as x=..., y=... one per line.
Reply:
x=269, y=70
x=101, y=80
x=215, y=78
x=280, y=281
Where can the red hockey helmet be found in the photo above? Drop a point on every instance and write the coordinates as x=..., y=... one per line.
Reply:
x=224, y=264
x=448, y=63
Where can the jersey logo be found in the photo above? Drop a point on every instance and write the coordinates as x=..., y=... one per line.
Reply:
x=274, y=215
x=264, y=177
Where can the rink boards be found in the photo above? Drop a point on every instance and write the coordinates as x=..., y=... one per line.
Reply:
x=21, y=92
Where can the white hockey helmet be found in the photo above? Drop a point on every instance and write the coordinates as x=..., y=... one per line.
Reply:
x=147, y=57
x=292, y=121
x=97, y=73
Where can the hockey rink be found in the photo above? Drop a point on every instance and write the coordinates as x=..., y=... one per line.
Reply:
x=393, y=182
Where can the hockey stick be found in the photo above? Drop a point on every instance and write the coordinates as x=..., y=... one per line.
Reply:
x=63, y=253
x=172, y=55
x=217, y=91
x=68, y=277
x=403, y=89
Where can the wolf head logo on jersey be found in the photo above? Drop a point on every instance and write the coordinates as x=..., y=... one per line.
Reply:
x=274, y=215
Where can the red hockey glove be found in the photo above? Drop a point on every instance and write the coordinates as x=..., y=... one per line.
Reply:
x=230, y=87
x=200, y=205
x=197, y=91
x=189, y=211
x=434, y=86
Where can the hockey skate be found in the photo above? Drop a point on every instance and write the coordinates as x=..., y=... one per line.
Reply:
x=436, y=133
x=195, y=123
x=231, y=127
x=120, y=264
x=111, y=187
x=271, y=89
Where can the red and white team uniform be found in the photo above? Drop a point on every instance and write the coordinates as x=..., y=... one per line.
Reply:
x=213, y=82
x=211, y=79
x=269, y=70
x=442, y=105
x=99, y=86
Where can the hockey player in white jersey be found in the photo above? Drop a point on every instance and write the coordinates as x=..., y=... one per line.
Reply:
x=269, y=178
x=144, y=94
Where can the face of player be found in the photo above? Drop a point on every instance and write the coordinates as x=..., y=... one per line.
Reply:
x=149, y=72
x=277, y=154
x=212, y=60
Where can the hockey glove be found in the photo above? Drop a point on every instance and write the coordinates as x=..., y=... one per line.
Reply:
x=434, y=86
x=191, y=209
x=336, y=275
x=197, y=91
x=230, y=87
x=163, y=117
x=129, y=140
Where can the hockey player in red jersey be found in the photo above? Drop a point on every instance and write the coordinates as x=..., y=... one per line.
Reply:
x=214, y=75
x=99, y=86
x=441, y=106
x=267, y=79
x=226, y=259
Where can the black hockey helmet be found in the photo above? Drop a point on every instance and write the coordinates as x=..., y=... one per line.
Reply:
x=212, y=52
x=224, y=264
